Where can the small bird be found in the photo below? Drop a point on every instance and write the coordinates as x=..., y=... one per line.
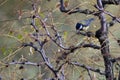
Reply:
x=81, y=26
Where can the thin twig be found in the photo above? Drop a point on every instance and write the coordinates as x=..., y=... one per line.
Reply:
x=87, y=67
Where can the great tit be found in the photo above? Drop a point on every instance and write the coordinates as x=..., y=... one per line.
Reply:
x=81, y=26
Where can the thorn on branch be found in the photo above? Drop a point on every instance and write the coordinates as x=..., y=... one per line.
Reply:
x=37, y=30
x=118, y=41
x=21, y=67
x=22, y=79
x=6, y=65
x=33, y=16
x=43, y=42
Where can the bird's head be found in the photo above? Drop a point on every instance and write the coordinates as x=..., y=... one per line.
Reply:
x=79, y=26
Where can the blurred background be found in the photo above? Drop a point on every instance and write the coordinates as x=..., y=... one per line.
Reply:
x=15, y=29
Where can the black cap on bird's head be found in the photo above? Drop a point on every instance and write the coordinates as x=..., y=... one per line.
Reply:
x=79, y=26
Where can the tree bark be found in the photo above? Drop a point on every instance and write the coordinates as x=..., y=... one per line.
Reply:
x=104, y=42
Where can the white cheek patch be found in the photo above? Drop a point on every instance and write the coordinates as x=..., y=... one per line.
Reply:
x=81, y=27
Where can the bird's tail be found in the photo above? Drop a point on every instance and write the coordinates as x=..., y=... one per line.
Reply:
x=88, y=21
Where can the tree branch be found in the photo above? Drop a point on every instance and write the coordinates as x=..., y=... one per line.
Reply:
x=87, y=67
x=76, y=10
x=102, y=35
